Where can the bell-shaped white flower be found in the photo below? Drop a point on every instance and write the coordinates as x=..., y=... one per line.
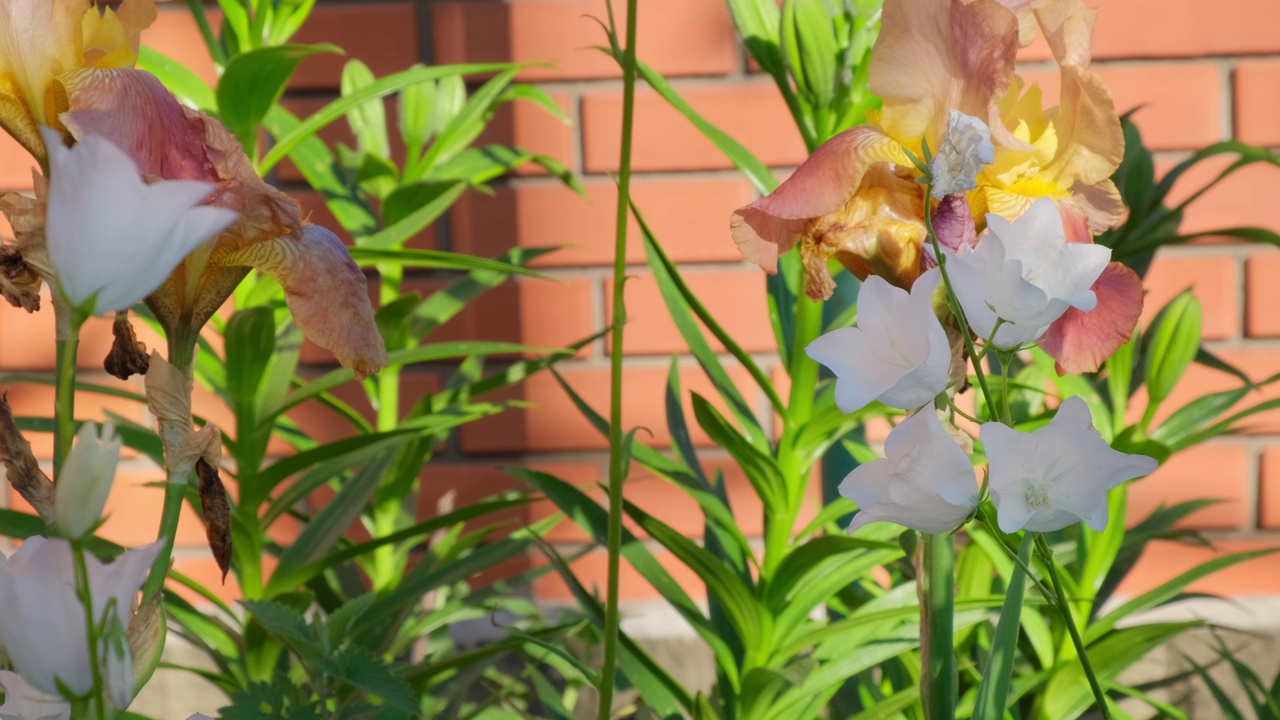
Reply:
x=1057, y=475
x=81, y=489
x=924, y=482
x=42, y=623
x=898, y=354
x=113, y=238
x=23, y=702
x=965, y=149
x=1025, y=274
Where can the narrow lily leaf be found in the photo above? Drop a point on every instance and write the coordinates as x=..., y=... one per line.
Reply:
x=384, y=86
x=254, y=81
x=993, y=692
x=1174, y=340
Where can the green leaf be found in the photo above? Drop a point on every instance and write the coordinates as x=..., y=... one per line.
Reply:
x=254, y=81
x=250, y=342
x=1166, y=592
x=286, y=143
x=810, y=50
x=368, y=120
x=993, y=691
x=463, y=128
x=760, y=469
x=288, y=626
x=183, y=83
x=414, y=213
x=757, y=24
x=327, y=526
x=680, y=301
x=359, y=667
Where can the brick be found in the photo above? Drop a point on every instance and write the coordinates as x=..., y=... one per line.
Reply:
x=677, y=37
x=28, y=341
x=1177, y=105
x=1185, y=28
x=1257, y=111
x=1185, y=477
x=175, y=35
x=1262, y=295
x=1269, y=489
x=1211, y=279
x=554, y=423
x=689, y=216
x=752, y=113
x=529, y=127
x=134, y=507
x=735, y=299
x=382, y=34
x=592, y=571
x=531, y=311
x=1164, y=560
x=16, y=165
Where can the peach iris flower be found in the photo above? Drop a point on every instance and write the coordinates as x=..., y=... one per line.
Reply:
x=42, y=41
x=70, y=67
x=856, y=200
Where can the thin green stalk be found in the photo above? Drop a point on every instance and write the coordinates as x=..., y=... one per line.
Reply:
x=388, y=404
x=938, y=625
x=202, y=22
x=951, y=296
x=64, y=427
x=83, y=590
x=1064, y=607
x=617, y=462
x=993, y=691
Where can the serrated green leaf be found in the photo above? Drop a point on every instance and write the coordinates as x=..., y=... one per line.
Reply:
x=362, y=669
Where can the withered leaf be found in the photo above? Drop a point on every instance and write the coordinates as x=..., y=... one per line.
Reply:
x=128, y=355
x=217, y=515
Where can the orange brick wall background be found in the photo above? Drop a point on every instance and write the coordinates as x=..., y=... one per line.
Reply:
x=1201, y=71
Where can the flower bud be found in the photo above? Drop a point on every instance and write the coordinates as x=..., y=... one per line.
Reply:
x=80, y=491
x=964, y=151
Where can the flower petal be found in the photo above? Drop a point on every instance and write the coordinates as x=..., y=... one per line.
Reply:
x=327, y=294
x=1081, y=341
x=934, y=56
x=773, y=224
x=1090, y=139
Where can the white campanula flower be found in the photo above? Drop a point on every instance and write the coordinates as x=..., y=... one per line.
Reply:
x=924, y=482
x=23, y=702
x=898, y=354
x=1057, y=475
x=81, y=489
x=112, y=238
x=965, y=149
x=1026, y=274
x=42, y=623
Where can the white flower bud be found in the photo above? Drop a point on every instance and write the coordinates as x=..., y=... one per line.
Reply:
x=964, y=151
x=82, y=486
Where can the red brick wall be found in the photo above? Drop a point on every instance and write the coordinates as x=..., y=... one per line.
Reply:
x=1202, y=71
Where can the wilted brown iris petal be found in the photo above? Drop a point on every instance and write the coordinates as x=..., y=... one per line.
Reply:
x=128, y=355
x=19, y=284
x=217, y=515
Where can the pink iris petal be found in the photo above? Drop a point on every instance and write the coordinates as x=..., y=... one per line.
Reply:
x=773, y=224
x=1082, y=341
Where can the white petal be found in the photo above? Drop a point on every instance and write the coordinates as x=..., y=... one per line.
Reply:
x=112, y=235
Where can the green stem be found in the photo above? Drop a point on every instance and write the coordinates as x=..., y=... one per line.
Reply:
x=617, y=463
x=956, y=310
x=1064, y=607
x=384, y=572
x=64, y=427
x=937, y=622
x=85, y=593
x=804, y=369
